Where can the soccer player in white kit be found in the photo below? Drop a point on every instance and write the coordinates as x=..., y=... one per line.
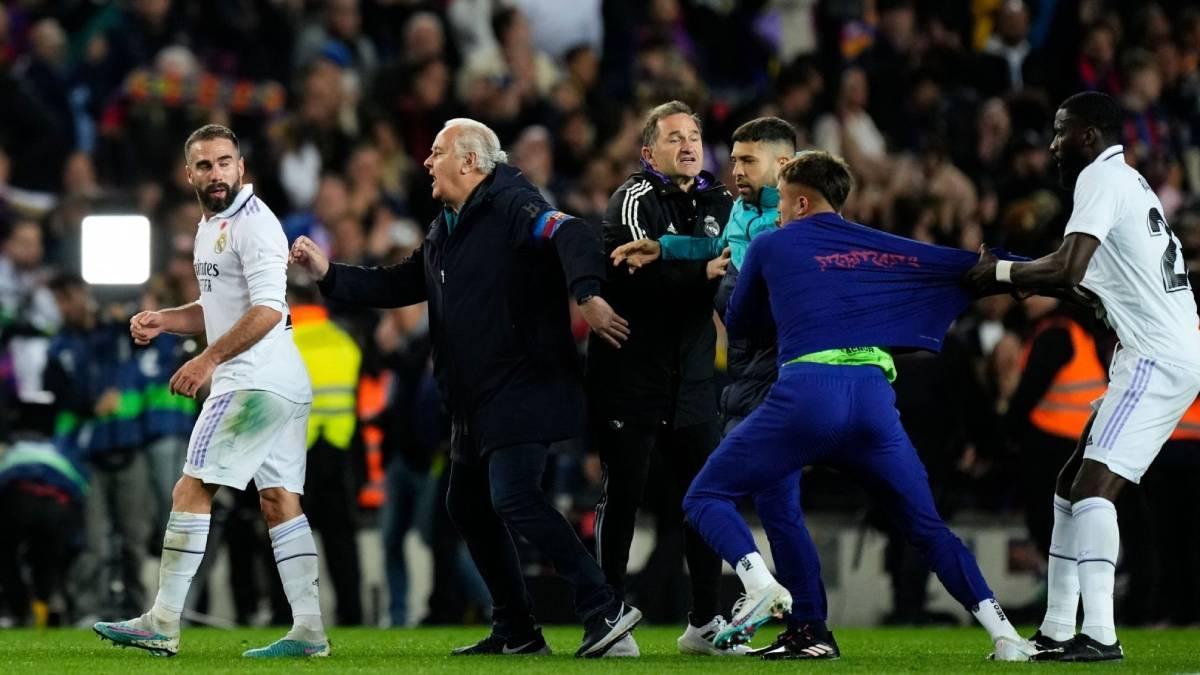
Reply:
x=1120, y=251
x=254, y=422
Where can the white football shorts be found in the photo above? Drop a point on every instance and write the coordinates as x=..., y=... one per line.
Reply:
x=1144, y=402
x=248, y=434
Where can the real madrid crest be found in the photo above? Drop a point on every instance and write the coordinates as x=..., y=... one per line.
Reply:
x=220, y=245
x=711, y=228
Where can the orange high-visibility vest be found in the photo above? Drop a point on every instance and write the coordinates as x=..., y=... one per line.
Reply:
x=1189, y=426
x=372, y=401
x=1065, y=408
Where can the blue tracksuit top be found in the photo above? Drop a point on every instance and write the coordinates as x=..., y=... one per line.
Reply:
x=829, y=283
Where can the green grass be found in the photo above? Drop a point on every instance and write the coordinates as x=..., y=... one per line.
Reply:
x=424, y=650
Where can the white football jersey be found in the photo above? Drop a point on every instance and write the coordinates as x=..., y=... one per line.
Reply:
x=240, y=260
x=1138, y=272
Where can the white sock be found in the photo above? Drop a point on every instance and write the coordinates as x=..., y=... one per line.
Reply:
x=296, y=558
x=183, y=549
x=753, y=572
x=1098, y=541
x=1062, y=578
x=991, y=617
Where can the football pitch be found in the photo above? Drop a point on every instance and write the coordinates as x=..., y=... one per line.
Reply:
x=425, y=650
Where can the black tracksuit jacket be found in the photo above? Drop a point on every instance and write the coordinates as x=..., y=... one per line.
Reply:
x=665, y=370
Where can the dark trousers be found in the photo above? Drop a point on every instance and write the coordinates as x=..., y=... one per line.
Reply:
x=329, y=503
x=501, y=494
x=625, y=452
x=41, y=522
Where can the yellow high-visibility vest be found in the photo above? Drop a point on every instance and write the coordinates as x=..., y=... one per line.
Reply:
x=333, y=359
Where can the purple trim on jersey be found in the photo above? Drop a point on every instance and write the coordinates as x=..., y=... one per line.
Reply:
x=210, y=427
x=1137, y=387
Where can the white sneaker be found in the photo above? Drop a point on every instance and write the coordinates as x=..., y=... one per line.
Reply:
x=626, y=647
x=700, y=640
x=752, y=610
x=142, y=633
x=1008, y=649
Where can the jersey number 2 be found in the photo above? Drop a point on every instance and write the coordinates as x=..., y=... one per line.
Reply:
x=1174, y=267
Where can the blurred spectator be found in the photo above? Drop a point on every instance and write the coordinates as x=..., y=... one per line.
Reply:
x=29, y=134
x=97, y=395
x=48, y=73
x=533, y=154
x=1096, y=67
x=890, y=63
x=130, y=37
x=1146, y=134
x=412, y=423
x=517, y=64
x=26, y=305
x=319, y=135
x=41, y=490
x=28, y=318
x=340, y=32
x=331, y=202
x=1004, y=55
x=424, y=37
x=168, y=418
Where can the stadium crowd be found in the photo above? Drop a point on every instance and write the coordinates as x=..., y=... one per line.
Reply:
x=941, y=108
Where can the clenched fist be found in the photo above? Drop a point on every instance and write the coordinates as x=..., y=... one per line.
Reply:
x=145, y=326
x=309, y=256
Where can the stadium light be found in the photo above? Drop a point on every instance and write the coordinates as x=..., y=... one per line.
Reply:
x=116, y=249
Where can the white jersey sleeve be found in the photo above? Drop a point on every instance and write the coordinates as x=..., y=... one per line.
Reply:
x=262, y=248
x=1097, y=206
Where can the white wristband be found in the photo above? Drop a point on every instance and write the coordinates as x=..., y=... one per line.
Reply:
x=1004, y=271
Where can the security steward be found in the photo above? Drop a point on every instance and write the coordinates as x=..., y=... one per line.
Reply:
x=333, y=360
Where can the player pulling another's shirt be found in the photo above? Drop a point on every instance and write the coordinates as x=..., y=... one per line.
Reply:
x=831, y=285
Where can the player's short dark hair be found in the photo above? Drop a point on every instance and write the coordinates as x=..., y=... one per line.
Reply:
x=1094, y=109
x=658, y=112
x=822, y=172
x=65, y=281
x=766, y=130
x=209, y=132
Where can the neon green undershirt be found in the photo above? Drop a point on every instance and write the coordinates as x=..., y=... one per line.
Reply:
x=852, y=356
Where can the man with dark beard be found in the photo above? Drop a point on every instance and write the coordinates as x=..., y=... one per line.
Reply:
x=255, y=421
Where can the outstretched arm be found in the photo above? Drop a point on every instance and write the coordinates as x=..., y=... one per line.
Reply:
x=387, y=286
x=1061, y=270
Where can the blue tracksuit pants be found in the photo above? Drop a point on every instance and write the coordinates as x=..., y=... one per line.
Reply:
x=843, y=417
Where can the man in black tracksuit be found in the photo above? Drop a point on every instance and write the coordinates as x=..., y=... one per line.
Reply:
x=656, y=393
x=494, y=270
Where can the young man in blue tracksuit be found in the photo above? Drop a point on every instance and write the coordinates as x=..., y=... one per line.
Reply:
x=837, y=293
